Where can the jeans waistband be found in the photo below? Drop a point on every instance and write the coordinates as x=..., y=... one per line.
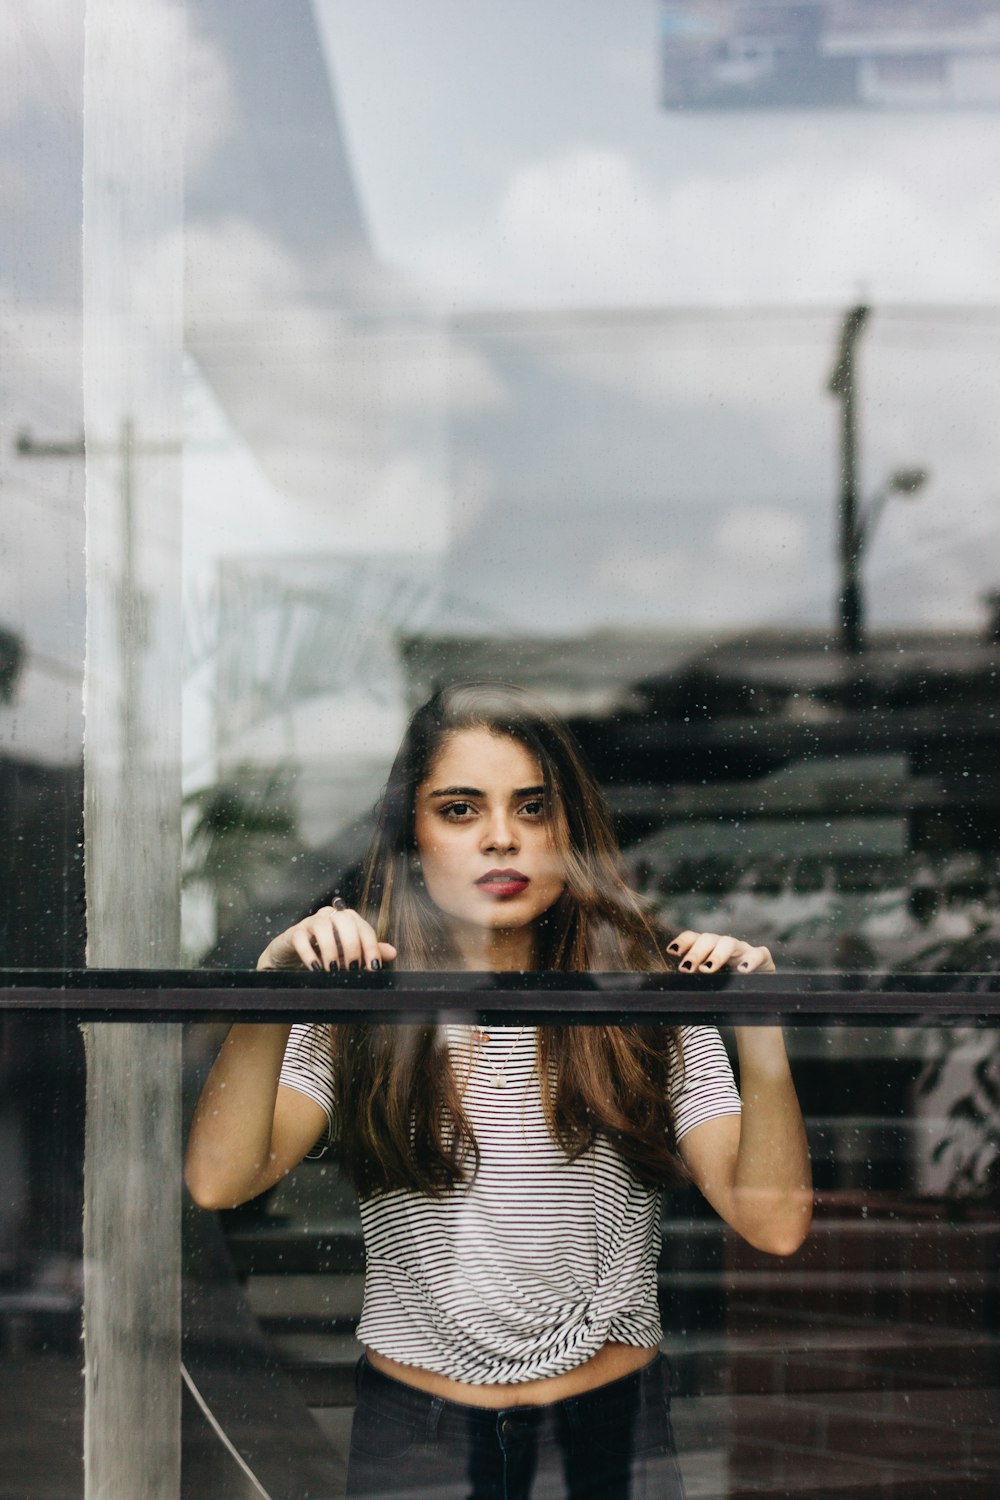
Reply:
x=421, y=1410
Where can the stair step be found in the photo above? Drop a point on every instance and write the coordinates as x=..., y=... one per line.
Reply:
x=319, y=1297
x=866, y=1359
x=298, y=1249
x=842, y=1242
x=941, y=1429
x=882, y=1245
x=933, y=1296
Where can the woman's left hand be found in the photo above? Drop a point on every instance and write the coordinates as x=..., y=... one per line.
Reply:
x=707, y=953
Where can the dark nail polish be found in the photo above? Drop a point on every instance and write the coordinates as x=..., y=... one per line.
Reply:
x=673, y=948
x=316, y=965
x=686, y=964
x=376, y=963
x=708, y=965
x=334, y=966
x=353, y=964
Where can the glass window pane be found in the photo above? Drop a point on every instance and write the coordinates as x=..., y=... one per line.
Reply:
x=643, y=359
x=866, y=1361
x=655, y=393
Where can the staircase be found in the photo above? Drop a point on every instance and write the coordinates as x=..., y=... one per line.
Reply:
x=867, y=1365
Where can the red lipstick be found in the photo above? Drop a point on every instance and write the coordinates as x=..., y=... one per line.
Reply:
x=503, y=883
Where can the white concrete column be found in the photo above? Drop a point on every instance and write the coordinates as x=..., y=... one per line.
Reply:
x=134, y=91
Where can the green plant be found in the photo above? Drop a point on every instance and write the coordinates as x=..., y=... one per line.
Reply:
x=239, y=832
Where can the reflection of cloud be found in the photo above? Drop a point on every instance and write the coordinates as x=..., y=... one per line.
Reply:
x=336, y=406
x=739, y=573
x=906, y=215
x=635, y=67
x=758, y=370
x=41, y=67
x=407, y=508
x=41, y=47
x=760, y=538
x=648, y=574
x=235, y=271
x=41, y=516
x=16, y=192
x=474, y=488
x=211, y=115
x=244, y=287
x=45, y=721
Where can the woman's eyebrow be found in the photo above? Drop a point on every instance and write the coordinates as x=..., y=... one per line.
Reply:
x=472, y=791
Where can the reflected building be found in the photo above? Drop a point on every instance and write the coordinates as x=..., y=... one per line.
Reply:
x=754, y=791
x=751, y=790
x=862, y=54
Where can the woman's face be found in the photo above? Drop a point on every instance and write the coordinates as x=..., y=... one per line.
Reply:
x=484, y=835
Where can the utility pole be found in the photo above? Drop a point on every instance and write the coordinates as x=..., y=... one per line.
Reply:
x=842, y=384
x=25, y=446
x=857, y=522
x=131, y=602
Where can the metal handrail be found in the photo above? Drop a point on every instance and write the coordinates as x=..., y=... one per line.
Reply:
x=553, y=999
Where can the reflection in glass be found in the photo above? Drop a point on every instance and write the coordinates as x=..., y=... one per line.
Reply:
x=556, y=407
x=498, y=363
x=509, y=1178
x=879, y=54
x=867, y=1363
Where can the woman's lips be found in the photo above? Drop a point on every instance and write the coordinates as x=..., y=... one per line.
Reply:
x=503, y=883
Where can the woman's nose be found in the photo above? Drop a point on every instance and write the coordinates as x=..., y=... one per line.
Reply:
x=501, y=833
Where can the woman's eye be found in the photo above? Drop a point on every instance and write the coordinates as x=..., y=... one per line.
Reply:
x=535, y=809
x=456, y=810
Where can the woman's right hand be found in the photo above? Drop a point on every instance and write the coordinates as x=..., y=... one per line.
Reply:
x=335, y=937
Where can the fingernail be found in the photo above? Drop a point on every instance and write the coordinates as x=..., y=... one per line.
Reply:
x=338, y=904
x=316, y=965
x=376, y=963
x=707, y=965
x=334, y=966
x=353, y=964
x=686, y=964
x=743, y=966
x=674, y=948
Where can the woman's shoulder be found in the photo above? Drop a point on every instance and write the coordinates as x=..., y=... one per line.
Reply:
x=309, y=1050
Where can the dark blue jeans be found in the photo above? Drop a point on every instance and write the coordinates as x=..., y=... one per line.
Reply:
x=612, y=1443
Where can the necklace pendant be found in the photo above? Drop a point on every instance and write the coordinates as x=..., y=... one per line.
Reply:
x=499, y=1078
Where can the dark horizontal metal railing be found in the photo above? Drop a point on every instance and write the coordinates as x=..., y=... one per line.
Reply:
x=793, y=999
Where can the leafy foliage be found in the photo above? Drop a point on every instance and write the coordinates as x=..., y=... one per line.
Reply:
x=239, y=832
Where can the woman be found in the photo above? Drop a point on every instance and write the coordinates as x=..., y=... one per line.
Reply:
x=509, y=1180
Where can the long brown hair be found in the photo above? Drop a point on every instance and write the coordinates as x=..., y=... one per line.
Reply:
x=402, y=1124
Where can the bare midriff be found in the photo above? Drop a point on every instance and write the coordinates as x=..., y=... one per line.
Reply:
x=611, y=1362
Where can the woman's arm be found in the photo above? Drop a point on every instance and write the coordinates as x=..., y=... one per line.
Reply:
x=753, y=1168
x=247, y=1131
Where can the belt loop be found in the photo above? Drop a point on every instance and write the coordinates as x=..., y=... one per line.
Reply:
x=647, y=1374
x=434, y=1415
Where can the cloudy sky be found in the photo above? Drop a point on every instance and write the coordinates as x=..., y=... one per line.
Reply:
x=514, y=157
x=514, y=153
x=516, y=318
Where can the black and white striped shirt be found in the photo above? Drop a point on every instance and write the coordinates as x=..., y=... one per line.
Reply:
x=527, y=1269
